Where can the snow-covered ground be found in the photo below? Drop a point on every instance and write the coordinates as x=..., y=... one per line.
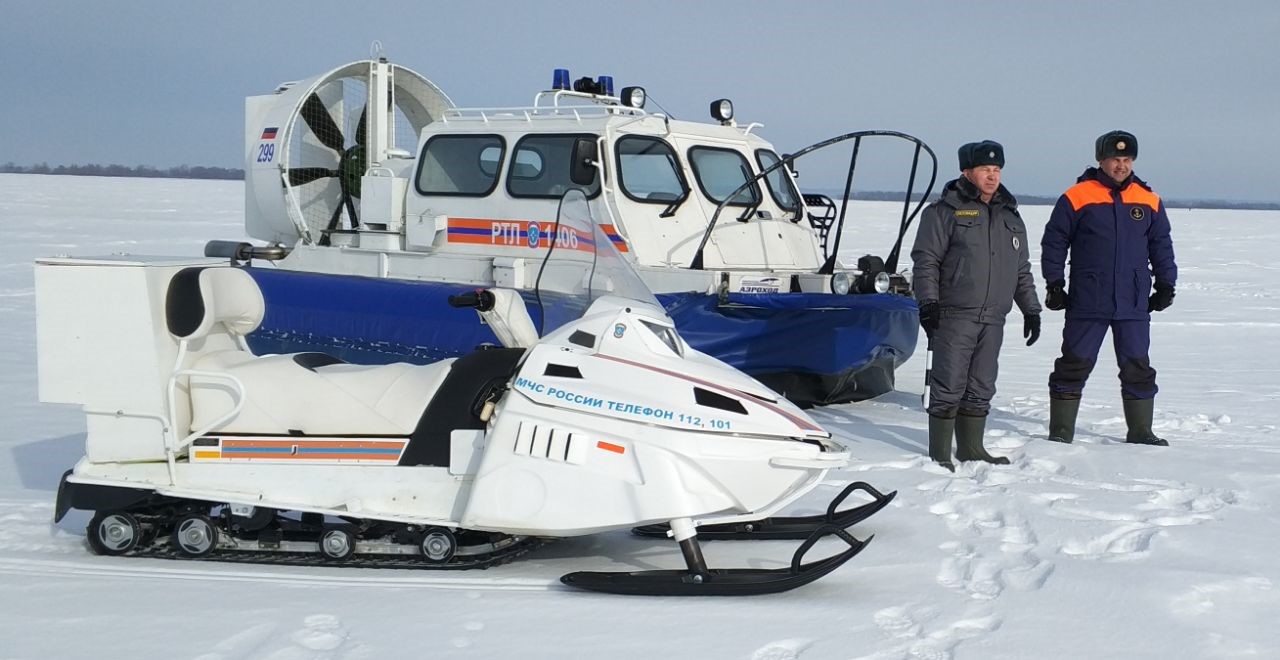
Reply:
x=1091, y=550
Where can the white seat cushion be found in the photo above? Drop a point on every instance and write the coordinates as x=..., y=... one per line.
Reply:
x=335, y=399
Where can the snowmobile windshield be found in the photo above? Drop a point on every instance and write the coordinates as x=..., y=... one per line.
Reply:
x=581, y=264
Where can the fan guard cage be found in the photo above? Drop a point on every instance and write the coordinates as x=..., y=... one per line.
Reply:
x=344, y=94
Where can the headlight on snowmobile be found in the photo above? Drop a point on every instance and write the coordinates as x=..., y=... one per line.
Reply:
x=840, y=283
x=882, y=282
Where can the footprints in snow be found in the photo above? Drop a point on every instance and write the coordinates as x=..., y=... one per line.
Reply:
x=320, y=637
x=1168, y=504
x=783, y=649
x=906, y=627
x=991, y=513
x=1008, y=557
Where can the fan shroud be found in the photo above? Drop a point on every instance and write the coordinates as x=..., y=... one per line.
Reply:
x=309, y=143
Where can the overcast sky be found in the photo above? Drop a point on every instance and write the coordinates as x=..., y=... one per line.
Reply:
x=163, y=83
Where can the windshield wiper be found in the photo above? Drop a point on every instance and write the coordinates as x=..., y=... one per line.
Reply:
x=675, y=206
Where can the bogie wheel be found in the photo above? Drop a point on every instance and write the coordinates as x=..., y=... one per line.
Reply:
x=113, y=532
x=337, y=544
x=195, y=535
x=438, y=545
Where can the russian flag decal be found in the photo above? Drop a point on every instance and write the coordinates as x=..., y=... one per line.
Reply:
x=269, y=133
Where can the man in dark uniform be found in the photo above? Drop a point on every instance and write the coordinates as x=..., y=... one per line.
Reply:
x=971, y=263
x=1117, y=234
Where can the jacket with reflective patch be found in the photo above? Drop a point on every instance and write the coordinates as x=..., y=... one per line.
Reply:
x=972, y=257
x=1117, y=237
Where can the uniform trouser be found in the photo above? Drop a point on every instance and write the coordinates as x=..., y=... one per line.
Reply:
x=1081, y=339
x=965, y=366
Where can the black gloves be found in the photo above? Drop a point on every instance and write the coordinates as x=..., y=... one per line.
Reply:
x=1031, y=328
x=1161, y=299
x=930, y=316
x=1055, y=297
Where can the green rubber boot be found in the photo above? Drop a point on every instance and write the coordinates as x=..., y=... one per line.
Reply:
x=1062, y=419
x=940, y=432
x=1138, y=414
x=969, y=432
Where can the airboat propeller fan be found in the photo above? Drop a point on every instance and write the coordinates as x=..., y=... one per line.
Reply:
x=308, y=146
x=350, y=162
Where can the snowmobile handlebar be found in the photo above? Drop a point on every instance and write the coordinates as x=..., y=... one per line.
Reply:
x=480, y=300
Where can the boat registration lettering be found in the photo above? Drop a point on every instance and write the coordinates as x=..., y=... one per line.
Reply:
x=530, y=234
x=760, y=285
x=505, y=233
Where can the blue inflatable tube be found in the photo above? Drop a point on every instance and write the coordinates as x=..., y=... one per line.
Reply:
x=814, y=348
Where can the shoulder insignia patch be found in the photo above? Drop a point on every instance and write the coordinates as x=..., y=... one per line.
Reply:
x=1136, y=213
x=967, y=213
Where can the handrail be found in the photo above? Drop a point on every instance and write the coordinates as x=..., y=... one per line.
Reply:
x=543, y=112
x=172, y=447
x=828, y=266
x=226, y=417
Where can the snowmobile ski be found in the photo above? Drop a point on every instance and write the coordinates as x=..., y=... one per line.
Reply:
x=788, y=527
x=701, y=581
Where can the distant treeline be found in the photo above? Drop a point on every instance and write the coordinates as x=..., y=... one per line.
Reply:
x=237, y=174
x=1037, y=200
x=142, y=171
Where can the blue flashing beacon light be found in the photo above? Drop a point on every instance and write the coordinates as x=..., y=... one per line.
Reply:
x=560, y=80
x=606, y=85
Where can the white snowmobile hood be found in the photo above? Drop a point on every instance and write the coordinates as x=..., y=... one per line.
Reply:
x=623, y=359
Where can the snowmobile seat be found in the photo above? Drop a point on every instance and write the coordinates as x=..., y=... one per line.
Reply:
x=211, y=309
x=457, y=403
x=285, y=396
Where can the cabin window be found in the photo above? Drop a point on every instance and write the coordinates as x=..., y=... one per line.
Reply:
x=461, y=165
x=648, y=171
x=719, y=172
x=781, y=187
x=540, y=167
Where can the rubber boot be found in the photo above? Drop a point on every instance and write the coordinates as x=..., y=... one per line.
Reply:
x=940, y=431
x=969, y=431
x=1062, y=419
x=1138, y=414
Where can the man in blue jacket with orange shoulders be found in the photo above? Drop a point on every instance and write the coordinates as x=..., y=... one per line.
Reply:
x=1117, y=233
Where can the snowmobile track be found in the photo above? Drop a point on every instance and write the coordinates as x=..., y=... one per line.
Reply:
x=307, y=559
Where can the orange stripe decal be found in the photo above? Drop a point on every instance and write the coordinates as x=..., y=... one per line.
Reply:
x=306, y=449
x=609, y=446
x=615, y=237
x=527, y=234
x=312, y=444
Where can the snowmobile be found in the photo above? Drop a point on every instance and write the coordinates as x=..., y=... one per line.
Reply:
x=197, y=448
